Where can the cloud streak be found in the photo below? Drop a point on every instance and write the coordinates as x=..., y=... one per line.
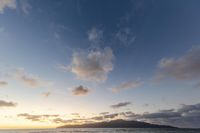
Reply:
x=119, y=105
x=7, y=104
x=40, y=118
x=127, y=85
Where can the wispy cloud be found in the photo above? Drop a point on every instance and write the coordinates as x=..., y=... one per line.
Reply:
x=186, y=67
x=29, y=79
x=92, y=66
x=25, y=6
x=46, y=94
x=40, y=118
x=119, y=105
x=127, y=85
x=80, y=91
x=125, y=36
x=7, y=104
x=60, y=120
x=3, y=83
x=95, y=36
x=7, y=4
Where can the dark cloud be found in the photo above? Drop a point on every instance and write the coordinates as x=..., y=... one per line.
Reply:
x=80, y=90
x=98, y=118
x=41, y=118
x=59, y=120
x=7, y=104
x=111, y=116
x=119, y=105
x=186, y=116
x=104, y=113
x=186, y=67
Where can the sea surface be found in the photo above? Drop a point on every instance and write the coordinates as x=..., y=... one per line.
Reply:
x=103, y=130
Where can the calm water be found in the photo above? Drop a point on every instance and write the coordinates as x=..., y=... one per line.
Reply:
x=104, y=130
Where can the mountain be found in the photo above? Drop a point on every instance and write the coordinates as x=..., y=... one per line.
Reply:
x=118, y=124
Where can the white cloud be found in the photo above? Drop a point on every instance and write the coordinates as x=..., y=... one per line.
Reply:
x=127, y=85
x=92, y=66
x=186, y=67
x=7, y=4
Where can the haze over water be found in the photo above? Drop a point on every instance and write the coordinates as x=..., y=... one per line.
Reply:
x=105, y=130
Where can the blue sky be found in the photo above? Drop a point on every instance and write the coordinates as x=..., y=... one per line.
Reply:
x=83, y=56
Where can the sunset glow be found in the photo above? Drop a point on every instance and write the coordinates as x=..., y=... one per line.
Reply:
x=68, y=62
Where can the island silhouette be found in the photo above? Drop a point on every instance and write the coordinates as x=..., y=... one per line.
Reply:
x=118, y=124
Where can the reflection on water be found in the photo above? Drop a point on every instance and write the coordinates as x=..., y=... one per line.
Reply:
x=103, y=130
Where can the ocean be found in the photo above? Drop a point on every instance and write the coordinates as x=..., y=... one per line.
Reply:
x=103, y=130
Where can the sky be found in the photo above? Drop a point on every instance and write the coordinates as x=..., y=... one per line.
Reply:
x=84, y=61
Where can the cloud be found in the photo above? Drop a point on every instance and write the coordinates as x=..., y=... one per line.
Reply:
x=127, y=85
x=98, y=118
x=25, y=6
x=7, y=4
x=185, y=116
x=46, y=94
x=92, y=66
x=186, y=67
x=7, y=104
x=29, y=79
x=40, y=118
x=104, y=113
x=80, y=91
x=59, y=120
x=75, y=114
x=125, y=36
x=3, y=83
x=111, y=116
x=95, y=36
x=119, y=105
